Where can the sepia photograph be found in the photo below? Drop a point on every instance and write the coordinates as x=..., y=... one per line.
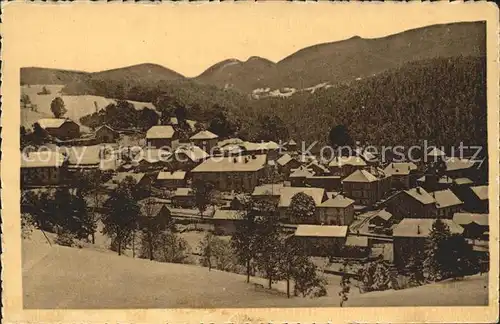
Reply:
x=181, y=157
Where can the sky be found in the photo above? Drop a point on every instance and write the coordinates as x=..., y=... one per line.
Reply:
x=189, y=37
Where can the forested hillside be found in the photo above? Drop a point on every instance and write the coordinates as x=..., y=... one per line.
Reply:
x=442, y=100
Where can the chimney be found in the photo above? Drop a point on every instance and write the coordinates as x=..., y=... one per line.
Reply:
x=418, y=229
x=392, y=164
x=234, y=160
x=418, y=190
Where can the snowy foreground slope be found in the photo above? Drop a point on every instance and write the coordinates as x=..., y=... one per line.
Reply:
x=61, y=277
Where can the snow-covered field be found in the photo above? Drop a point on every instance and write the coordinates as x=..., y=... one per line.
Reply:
x=62, y=277
x=77, y=106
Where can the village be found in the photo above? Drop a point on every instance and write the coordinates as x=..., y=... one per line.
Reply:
x=344, y=212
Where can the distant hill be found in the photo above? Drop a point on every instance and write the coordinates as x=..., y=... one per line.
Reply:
x=230, y=73
x=37, y=75
x=143, y=72
x=82, y=81
x=351, y=58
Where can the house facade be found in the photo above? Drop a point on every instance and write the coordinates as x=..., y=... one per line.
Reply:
x=239, y=173
x=365, y=188
x=321, y=240
x=205, y=139
x=106, y=134
x=60, y=128
x=338, y=210
x=410, y=235
x=160, y=136
x=43, y=168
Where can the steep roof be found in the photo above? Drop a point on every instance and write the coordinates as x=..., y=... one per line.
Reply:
x=232, y=164
x=204, y=135
x=462, y=181
x=445, y=198
x=301, y=173
x=284, y=159
x=316, y=164
x=160, y=131
x=435, y=152
x=42, y=159
x=481, y=192
x=104, y=127
x=52, y=122
x=347, y=160
x=150, y=207
x=338, y=201
x=421, y=227
x=400, y=168
x=384, y=214
x=360, y=176
x=175, y=175
x=193, y=152
x=152, y=155
x=228, y=214
x=454, y=163
x=268, y=189
x=467, y=218
x=286, y=194
x=421, y=195
x=361, y=241
x=321, y=231
x=183, y=192
x=84, y=155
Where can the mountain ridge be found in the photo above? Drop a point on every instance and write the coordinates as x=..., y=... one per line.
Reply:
x=332, y=62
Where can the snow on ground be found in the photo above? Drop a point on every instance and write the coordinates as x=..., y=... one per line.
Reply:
x=77, y=106
x=94, y=277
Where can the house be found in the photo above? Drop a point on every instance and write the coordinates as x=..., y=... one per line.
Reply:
x=171, y=179
x=401, y=174
x=239, y=173
x=226, y=221
x=161, y=136
x=321, y=240
x=186, y=157
x=183, y=198
x=106, y=134
x=366, y=155
x=60, y=128
x=270, y=148
x=366, y=188
x=447, y=203
x=460, y=168
x=205, y=139
x=435, y=155
x=286, y=195
x=414, y=203
x=298, y=176
x=382, y=219
x=152, y=211
x=356, y=246
x=317, y=168
x=410, y=235
x=476, y=226
x=291, y=146
x=338, y=210
x=43, y=168
x=152, y=159
x=442, y=183
x=477, y=199
x=328, y=182
x=141, y=180
x=286, y=163
x=346, y=165
x=269, y=193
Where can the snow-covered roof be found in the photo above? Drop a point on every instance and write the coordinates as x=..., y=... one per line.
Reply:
x=321, y=231
x=467, y=218
x=421, y=227
x=360, y=176
x=160, y=131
